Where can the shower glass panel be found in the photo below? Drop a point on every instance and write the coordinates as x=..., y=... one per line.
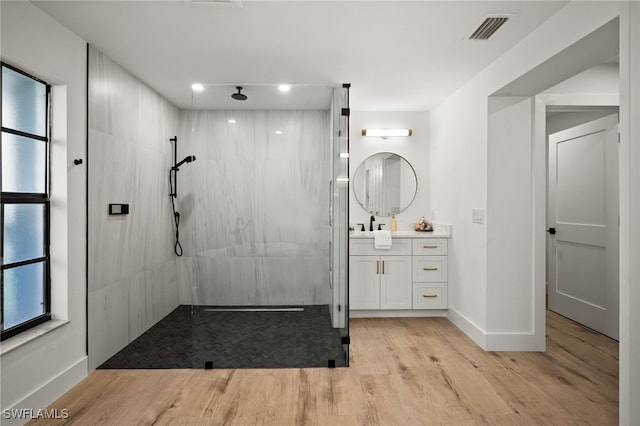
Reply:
x=269, y=282
x=340, y=214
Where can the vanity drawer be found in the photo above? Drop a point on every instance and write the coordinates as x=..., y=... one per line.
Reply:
x=430, y=296
x=429, y=246
x=364, y=247
x=429, y=268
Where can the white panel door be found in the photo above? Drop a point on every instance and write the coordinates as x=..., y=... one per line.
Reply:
x=583, y=211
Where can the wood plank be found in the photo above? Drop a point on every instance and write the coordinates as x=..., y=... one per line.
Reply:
x=404, y=371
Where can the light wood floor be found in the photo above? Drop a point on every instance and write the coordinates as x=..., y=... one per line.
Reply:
x=412, y=371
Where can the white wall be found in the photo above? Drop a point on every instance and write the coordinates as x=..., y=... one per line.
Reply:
x=132, y=264
x=630, y=216
x=509, y=171
x=36, y=373
x=559, y=121
x=459, y=143
x=592, y=94
x=459, y=150
x=260, y=207
x=598, y=85
x=458, y=172
x=414, y=149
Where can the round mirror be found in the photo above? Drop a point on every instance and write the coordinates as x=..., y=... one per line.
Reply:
x=385, y=184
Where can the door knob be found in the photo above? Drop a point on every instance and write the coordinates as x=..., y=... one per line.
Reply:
x=552, y=231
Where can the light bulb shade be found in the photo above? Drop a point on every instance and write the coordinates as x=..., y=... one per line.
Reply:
x=387, y=133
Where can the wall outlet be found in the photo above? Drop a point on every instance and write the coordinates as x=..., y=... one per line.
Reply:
x=477, y=215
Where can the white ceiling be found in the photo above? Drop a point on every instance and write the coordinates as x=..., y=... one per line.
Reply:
x=397, y=55
x=261, y=97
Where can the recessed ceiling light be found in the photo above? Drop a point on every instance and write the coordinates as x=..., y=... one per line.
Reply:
x=232, y=121
x=278, y=132
x=197, y=87
x=284, y=87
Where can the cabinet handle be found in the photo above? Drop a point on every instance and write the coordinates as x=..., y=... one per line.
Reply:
x=429, y=269
x=383, y=266
x=377, y=267
x=432, y=246
x=429, y=295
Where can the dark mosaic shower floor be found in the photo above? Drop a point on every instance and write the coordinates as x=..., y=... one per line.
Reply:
x=235, y=340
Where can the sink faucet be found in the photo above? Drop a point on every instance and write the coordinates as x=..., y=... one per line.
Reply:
x=371, y=220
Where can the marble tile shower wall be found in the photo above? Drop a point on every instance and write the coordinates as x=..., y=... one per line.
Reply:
x=132, y=267
x=261, y=207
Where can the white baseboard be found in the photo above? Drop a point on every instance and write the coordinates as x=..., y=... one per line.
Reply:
x=502, y=341
x=515, y=342
x=399, y=313
x=48, y=392
x=468, y=327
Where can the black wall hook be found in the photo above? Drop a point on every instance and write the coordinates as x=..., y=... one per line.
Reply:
x=77, y=161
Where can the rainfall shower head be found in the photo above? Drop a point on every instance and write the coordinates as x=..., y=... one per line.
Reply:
x=186, y=159
x=239, y=96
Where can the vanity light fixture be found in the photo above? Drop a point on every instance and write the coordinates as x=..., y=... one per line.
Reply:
x=387, y=133
x=342, y=179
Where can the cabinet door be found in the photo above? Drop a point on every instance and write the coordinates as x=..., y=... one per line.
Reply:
x=364, y=282
x=395, y=282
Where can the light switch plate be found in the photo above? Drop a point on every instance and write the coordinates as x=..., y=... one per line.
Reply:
x=477, y=215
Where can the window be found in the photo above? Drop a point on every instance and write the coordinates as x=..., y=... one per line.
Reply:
x=24, y=180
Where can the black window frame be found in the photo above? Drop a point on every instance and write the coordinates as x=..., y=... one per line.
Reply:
x=29, y=198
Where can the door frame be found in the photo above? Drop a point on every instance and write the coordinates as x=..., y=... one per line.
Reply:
x=579, y=106
x=541, y=174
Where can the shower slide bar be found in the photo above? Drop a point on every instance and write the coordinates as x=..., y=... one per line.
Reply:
x=173, y=191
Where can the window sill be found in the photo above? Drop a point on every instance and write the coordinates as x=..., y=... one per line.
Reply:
x=32, y=334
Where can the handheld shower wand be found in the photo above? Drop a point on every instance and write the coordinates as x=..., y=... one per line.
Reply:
x=186, y=159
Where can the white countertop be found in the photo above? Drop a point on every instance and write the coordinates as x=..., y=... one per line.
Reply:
x=401, y=234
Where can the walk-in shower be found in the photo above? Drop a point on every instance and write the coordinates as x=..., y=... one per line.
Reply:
x=270, y=233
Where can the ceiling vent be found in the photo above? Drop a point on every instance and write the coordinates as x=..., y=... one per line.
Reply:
x=488, y=27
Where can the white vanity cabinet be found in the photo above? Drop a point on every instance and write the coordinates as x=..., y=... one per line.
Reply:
x=380, y=281
x=408, y=280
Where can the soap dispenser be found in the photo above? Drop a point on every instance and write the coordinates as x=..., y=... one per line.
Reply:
x=394, y=223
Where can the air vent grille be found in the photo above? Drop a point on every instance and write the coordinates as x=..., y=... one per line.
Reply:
x=488, y=27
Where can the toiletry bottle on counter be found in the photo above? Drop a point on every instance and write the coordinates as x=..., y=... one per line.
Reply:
x=394, y=223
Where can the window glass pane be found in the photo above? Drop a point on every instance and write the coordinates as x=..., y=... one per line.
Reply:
x=23, y=164
x=23, y=232
x=23, y=294
x=24, y=103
